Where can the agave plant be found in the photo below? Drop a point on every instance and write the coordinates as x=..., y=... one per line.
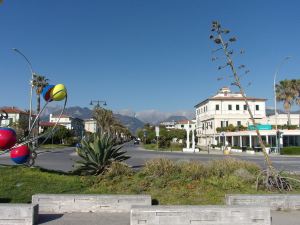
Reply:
x=98, y=155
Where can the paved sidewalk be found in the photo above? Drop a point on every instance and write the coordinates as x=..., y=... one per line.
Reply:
x=278, y=218
x=85, y=219
x=285, y=217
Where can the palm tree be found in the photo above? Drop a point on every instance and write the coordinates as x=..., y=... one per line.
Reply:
x=104, y=119
x=296, y=87
x=107, y=123
x=286, y=92
x=39, y=82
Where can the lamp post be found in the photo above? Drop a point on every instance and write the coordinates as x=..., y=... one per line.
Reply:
x=31, y=83
x=98, y=103
x=275, y=102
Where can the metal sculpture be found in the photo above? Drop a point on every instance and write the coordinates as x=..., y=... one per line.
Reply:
x=24, y=150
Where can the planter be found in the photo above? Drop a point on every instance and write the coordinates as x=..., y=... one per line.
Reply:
x=236, y=150
x=250, y=152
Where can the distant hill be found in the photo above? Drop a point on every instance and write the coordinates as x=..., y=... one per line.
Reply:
x=132, y=123
x=85, y=113
x=280, y=111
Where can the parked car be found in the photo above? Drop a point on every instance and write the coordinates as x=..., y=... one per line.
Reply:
x=136, y=142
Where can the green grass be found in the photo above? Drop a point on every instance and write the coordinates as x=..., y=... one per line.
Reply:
x=50, y=146
x=173, y=147
x=293, y=150
x=166, y=181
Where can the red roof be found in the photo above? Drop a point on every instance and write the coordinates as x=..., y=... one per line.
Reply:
x=47, y=124
x=184, y=122
x=14, y=110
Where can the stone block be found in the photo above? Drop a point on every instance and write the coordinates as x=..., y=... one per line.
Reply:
x=274, y=201
x=14, y=214
x=68, y=203
x=200, y=215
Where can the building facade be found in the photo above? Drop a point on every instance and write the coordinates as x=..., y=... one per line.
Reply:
x=71, y=123
x=185, y=124
x=227, y=109
x=90, y=125
x=223, y=109
x=15, y=115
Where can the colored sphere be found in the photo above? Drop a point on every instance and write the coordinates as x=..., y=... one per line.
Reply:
x=47, y=92
x=59, y=92
x=8, y=138
x=20, y=154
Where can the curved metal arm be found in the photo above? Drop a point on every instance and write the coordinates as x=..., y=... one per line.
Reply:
x=31, y=83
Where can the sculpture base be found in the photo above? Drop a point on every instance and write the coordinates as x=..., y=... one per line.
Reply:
x=190, y=150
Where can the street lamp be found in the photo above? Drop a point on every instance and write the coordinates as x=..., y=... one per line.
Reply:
x=31, y=83
x=275, y=100
x=98, y=103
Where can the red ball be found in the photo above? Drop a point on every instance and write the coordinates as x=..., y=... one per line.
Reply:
x=8, y=138
x=20, y=154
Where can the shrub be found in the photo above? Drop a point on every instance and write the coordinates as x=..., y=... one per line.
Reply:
x=193, y=170
x=227, y=167
x=160, y=167
x=292, y=150
x=97, y=156
x=119, y=169
x=164, y=142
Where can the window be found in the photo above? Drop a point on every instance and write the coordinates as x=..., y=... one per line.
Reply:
x=222, y=123
x=182, y=126
x=217, y=107
x=245, y=107
x=238, y=123
x=237, y=107
x=256, y=107
x=229, y=107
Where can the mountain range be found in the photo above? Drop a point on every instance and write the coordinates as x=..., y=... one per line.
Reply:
x=130, y=119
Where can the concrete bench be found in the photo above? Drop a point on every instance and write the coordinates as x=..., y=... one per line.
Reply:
x=25, y=214
x=274, y=201
x=201, y=215
x=68, y=203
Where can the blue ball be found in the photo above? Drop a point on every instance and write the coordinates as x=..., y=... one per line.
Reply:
x=46, y=92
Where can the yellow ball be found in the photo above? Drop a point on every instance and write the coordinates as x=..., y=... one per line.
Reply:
x=59, y=92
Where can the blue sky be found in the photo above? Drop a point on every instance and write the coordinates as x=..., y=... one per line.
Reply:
x=142, y=54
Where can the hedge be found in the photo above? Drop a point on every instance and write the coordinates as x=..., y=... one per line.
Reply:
x=292, y=150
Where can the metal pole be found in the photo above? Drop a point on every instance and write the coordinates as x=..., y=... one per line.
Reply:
x=275, y=101
x=31, y=84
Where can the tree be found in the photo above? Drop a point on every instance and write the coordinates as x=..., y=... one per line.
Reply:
x=270, y=177
x=107, y=123
x=39, y=82
x=61, y=134
x=296, y=87
x=286, y=92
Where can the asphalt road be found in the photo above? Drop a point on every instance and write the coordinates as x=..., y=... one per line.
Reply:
x=64, y=159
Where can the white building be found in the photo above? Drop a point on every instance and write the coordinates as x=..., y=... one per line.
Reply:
x=14, y=115
x=69, y=122
x=184, y=124
x=90, y=125
x=223, y=109
x=168, y=124
x=227, y=108
x=282, y=119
